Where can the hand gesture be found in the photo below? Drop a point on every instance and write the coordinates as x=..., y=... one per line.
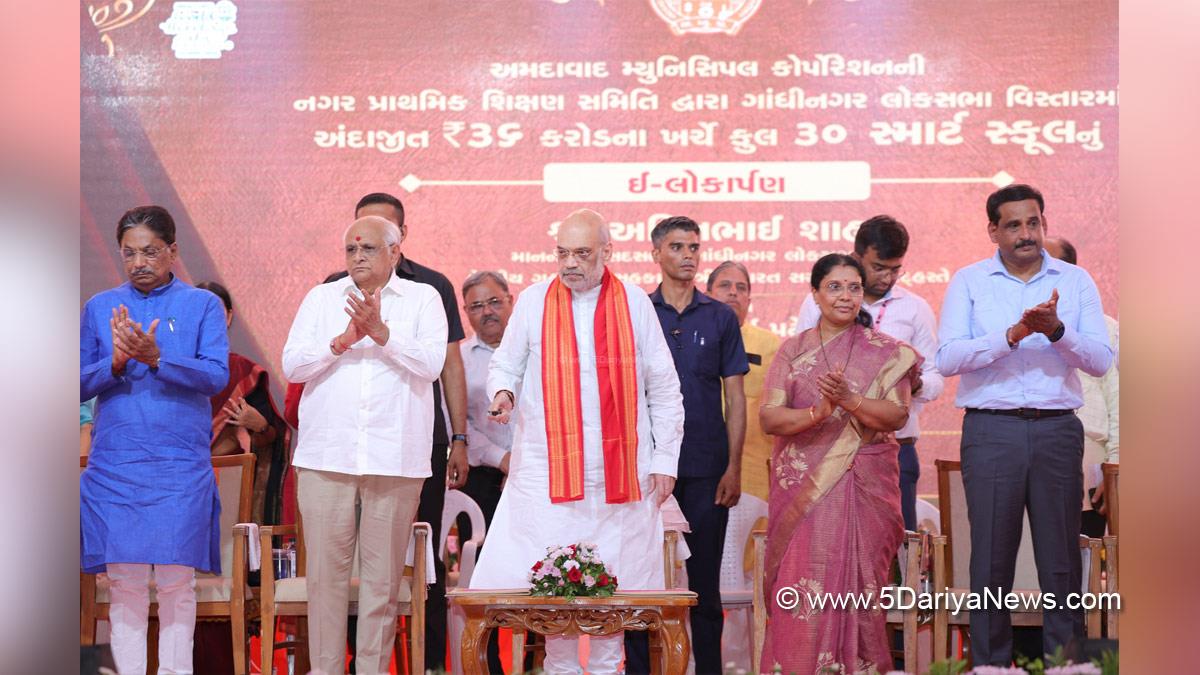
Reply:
x=501, y=408
x=119, y=356
x=244, y=415
x=365, y=314
x=130, y=339
x=1044, y=317
x=349, y=337
x=661, y=487
x=835, y=387
x=822, y=409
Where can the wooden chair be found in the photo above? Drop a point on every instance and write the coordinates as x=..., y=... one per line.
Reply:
x=289, y=596
x=222, y=596
x=1111, y=479
x=912, y=553
x=952, y=557
x=1112, y=585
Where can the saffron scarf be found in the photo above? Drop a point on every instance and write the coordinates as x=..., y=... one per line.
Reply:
x=616, y=372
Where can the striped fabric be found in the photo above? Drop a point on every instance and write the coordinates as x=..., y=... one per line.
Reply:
x=616, y=371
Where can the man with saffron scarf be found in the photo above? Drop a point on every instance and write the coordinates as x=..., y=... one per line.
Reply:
x=598, y=428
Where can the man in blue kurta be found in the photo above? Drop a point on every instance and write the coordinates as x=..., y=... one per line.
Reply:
x=153, y=351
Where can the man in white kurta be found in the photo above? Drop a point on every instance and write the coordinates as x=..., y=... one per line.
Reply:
x=629, y=535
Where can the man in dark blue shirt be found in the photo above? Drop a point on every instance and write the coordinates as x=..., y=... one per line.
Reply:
x=706, y=343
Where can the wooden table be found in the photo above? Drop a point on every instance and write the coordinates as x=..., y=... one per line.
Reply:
x=661, y=611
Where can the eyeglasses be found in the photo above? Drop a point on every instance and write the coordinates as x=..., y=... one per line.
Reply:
x=836, y=288
x=581, y=254
x=369, y=251
x=491, y=303
x=150, y=253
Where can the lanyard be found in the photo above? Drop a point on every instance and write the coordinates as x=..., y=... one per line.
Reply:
x=882, y=311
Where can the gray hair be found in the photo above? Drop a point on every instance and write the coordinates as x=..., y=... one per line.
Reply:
x=728, y=264
x=391, y=231
x=482, y=276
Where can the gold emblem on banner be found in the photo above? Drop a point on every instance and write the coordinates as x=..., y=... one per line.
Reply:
x=113, y=15
x=705, y=16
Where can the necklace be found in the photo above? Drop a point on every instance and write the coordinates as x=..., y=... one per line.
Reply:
x=825, y=356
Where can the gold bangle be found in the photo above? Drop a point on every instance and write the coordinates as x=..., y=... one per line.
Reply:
x=860, y=402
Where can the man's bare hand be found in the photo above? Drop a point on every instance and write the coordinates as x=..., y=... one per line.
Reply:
x=501, y=408
x=457, y=467
x=729, y=490
x=662, y=487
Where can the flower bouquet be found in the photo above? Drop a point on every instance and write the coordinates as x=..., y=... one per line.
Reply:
x=571, y=571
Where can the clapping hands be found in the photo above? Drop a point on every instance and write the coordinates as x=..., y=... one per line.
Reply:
x=131, y=342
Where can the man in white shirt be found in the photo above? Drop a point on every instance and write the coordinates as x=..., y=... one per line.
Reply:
x=366, y=424
x=602, y=342
x=488, y=305
x=880, y=245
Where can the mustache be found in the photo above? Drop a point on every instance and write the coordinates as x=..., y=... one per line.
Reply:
x=141, y=270
x=1025, y=242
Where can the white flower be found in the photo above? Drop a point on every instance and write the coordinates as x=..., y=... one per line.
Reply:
x=570, y=565
x=588, y=580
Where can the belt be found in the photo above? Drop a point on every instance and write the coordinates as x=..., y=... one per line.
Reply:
x=910, y=440
x=1023, y=413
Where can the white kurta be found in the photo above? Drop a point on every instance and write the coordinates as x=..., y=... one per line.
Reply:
x=629, y=536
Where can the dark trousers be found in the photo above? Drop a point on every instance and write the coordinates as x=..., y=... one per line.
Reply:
x=706, y=542
x=433, y=498
x=483, y=485
x=910, y=471
x=1010, y=464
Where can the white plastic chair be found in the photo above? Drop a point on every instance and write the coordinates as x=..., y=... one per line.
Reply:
x=737, y=584
x=929, y=518
x=458, y=502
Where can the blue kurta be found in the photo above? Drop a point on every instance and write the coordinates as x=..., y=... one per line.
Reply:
x=148, y=494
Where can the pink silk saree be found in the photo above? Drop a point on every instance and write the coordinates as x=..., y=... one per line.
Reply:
x=834, y=521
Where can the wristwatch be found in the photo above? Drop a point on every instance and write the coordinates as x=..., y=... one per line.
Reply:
x=1058, y=332
x=460, y=437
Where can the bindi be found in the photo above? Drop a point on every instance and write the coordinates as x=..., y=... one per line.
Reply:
x=358, y=239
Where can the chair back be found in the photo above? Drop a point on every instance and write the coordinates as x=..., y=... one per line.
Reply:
x=235, y=489
x=458, y=502
x=952, y=498
x=929, y=519
x=742, y=517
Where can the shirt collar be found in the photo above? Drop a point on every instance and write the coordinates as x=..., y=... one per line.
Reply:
x=155, y=291
x=474, y=342
x=394, y=285
x=1050, y=265
x=894, y=293
x=698, y=298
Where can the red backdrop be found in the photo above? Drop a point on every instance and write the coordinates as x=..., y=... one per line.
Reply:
x=934, y=103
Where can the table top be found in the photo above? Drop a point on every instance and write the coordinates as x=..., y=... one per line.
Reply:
x=521, y=597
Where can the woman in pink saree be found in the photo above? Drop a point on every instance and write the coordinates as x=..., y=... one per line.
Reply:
x=833, y=397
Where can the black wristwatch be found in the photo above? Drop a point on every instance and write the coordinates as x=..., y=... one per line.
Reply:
x=1058, y=332
x=460, y=437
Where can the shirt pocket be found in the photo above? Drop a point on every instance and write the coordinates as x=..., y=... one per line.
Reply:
x=708, y=357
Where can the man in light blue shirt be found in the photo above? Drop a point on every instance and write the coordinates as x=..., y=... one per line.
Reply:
x=1016, y=327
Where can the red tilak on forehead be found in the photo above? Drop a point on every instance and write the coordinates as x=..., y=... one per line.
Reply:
x=358, y=239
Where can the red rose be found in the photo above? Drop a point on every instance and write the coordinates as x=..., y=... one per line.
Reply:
x=614, y=581
x=574, y=575
x=571, y=549
x=602, y=580
x=537, y=565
